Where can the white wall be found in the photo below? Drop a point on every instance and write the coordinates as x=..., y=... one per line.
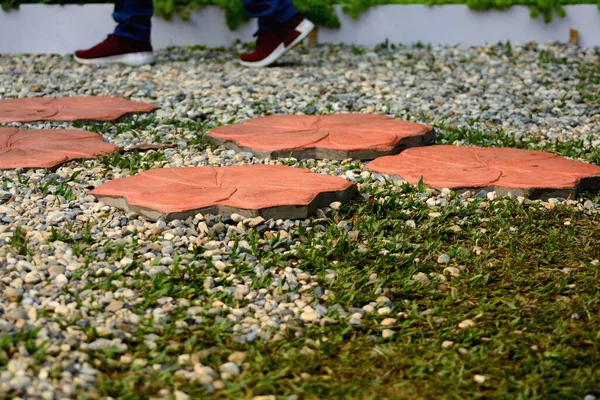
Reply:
x=64, y=29
x=456, y=24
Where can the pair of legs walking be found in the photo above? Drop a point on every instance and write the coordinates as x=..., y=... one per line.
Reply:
x=280, y=28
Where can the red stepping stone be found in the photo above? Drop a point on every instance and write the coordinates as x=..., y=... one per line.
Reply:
x=336, y=137
x=96, y=108
x=47, y=148
x=520, y=172
x=272, y=191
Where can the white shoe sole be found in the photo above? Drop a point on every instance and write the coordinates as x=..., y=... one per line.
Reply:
x=133, y=59
x=305, y=27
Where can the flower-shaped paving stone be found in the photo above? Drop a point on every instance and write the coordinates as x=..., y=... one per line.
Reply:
x=272, y=191
x=336, y=137
x=47, y=148
x=96, y=108
x=519, y=172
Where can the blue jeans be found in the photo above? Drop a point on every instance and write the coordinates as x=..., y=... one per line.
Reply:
x=133, y=17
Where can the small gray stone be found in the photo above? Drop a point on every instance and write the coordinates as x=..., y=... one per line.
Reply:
x=482, y=194
x=421, y=277
x=17, y=314
x=20, y=383
x=159, y=269
x=355, y=310
x=56, y=270
x=209, y=282
x=319, y=292
x=310, y=110
x=219, y=227
x=4, y=196
x=261, y=229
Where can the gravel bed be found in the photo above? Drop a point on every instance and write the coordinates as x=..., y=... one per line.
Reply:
x=490, y=87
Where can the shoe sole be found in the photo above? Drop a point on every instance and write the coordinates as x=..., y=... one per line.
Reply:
x=132, y=59
x=305, y=27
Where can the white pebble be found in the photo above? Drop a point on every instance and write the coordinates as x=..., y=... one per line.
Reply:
x=368, y=308
x=447, y=344
x=443, y=259
x=33, y=277
x=229, y=370
x=384, y=311
x=179, y=395
x=387, y=333
x=421, y=277
x=237, y=218
x=310, y=316
x=220, y=265
x=467, y=323
x=453, y=271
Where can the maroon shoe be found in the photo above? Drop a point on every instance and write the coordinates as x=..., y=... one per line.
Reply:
x=117, y=49
x=273, y=43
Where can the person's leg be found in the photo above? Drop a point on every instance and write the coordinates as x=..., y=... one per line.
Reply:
x=270, y=13
x=130, y=43
x=280, y=28
x=134, y=19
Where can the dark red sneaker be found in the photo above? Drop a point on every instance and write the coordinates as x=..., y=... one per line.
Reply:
x=273, y=43
x=117, y=49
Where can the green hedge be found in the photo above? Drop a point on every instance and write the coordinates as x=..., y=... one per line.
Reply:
x=322, y=12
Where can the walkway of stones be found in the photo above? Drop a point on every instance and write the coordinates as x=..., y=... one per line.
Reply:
x=276, y=191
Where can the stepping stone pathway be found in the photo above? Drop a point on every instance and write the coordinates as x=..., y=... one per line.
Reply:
x=47, y=148
x=97, y=108
x=271, y=191
x=335, y=137
x=520, y=172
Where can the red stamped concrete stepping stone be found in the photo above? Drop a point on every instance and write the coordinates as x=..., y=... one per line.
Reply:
x=520, y=172
x=272, y=191
x=336, y=137
x=47, y=148
x=96, y=108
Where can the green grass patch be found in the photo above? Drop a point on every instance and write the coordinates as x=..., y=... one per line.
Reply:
x=527, y=281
